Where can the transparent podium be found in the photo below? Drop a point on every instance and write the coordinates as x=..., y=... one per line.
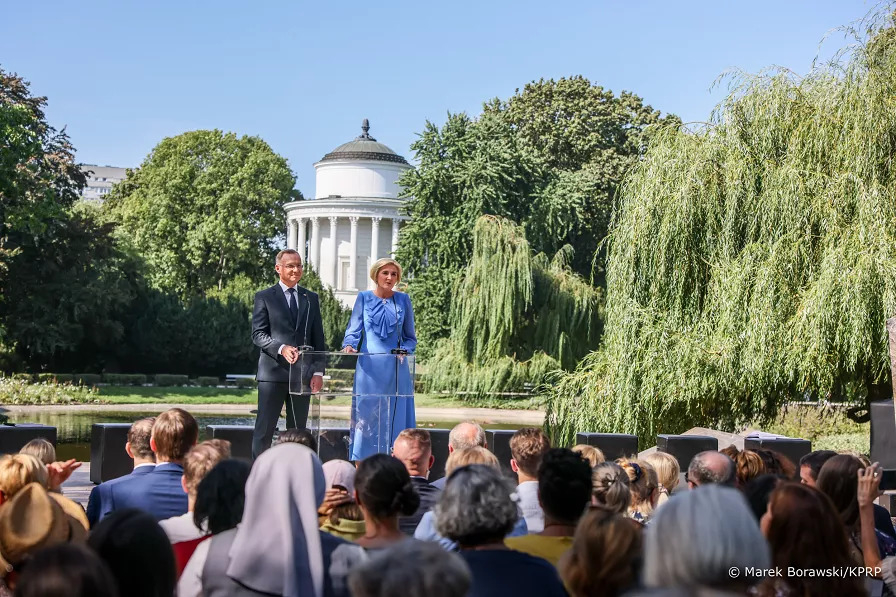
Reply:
x=379, y=387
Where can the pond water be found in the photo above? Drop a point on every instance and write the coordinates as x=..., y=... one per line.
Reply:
x=74, y=428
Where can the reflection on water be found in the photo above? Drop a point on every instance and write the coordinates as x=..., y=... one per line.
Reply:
x=74, y=428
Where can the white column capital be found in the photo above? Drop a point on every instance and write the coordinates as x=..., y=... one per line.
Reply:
x=354, y=220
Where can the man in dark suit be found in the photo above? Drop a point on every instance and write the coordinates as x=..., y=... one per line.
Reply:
x=286, y=322
x=413, y=447
x=99, y=504
x=160, y=492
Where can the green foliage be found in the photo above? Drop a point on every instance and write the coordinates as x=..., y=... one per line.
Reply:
x=17, y=391
x=124, y=379
x=751, y=262
x=208, y=382
x=87, y=379
x=516, y=316
x=203, y=209
x=550, y=159
x=167, y=380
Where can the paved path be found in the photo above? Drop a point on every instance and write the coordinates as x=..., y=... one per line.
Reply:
x=78, y=486
x=424, y=413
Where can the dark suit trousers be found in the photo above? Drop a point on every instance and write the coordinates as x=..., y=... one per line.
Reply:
x=271, y=397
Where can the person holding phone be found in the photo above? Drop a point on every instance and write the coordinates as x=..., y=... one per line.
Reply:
x=381, y=327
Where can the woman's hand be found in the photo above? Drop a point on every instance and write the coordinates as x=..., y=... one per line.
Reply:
x=348, y=349
x=869, y=485
x=332, y=498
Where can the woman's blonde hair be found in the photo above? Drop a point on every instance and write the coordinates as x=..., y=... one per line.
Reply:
x=41, y=449
x=667, y=470
x=474, y=455
x=18, y=470
x=593, y=455
x=643, y=481
x=380, y=264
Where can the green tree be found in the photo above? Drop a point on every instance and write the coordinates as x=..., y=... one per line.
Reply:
x=203, y=209
x=39, y=180
x=751, y=262
x=550, y=159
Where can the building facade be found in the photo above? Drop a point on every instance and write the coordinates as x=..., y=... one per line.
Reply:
x=354, y=218
x=100, y=180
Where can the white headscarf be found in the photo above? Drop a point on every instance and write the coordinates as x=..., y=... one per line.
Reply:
x=277, y=545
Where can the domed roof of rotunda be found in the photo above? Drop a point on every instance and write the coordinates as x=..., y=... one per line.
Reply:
x=363, y=147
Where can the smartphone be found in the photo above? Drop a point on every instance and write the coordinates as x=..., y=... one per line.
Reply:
x=887, y=479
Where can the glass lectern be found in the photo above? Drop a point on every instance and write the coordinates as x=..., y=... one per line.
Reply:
x=380, y=388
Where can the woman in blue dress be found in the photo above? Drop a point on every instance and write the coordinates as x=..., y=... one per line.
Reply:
x=383, y=394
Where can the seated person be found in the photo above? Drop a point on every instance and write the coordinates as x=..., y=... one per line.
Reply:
x=340, y=515
x=413, y=447
x=564, y=491
x=476, y=510
x=463, y=436
x=527, y=446
x=160, y=492
x=99, y=504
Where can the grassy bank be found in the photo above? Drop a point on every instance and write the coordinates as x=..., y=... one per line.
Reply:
x=826, y=426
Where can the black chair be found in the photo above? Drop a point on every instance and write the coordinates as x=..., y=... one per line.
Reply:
x=613, y=445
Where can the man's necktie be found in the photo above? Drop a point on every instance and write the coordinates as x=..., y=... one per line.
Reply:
x=293, y=306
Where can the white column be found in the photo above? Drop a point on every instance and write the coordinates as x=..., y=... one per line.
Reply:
x=290, y=230
x=300, y=244
x=353, y=256
x=374, y=242
x=395, y=223
x=335, y=253
x=314, y=252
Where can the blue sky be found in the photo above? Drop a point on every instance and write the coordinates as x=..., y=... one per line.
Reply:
x=121, y=76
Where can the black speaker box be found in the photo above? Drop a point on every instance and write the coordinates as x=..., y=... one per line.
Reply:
x=333, y=444
x=239, y=436
x=14, y=437
x=883, y=434
x=792, y=448
x=108, y=459
x=685, y=447
x=439, y=439
x=613, y=445
x=499, y=444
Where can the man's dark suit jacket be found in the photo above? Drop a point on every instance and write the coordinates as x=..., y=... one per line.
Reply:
x=99, y=504
x=272, y=328
x=159, y=493
x=429, y=495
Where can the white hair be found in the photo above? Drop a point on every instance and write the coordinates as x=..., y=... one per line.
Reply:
x=466, y=435
x=712, y=530
x=412, y=568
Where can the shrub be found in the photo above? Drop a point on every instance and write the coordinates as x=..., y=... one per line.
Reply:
x=23, y=376
x=207, y=382
x=166, y=380
x=87, y=379
x=17, y=391
x=245, y=383
x=124, y=379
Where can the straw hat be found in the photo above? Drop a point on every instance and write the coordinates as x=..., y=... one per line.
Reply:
x=35, y=518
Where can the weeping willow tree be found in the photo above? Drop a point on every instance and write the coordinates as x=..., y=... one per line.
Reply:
x=753, y=261
x=515, y=317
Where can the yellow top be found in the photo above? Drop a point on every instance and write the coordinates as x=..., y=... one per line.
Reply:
x=540, y=546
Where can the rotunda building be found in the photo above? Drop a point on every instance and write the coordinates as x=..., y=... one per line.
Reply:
x=354, y=218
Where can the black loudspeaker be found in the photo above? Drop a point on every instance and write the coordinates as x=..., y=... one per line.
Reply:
x=883, y=434
x=108, y=459
x=685, y=447
x=792, y=448
x=499, y=444
x=239, y=436
x=613, y=445
x=439, y=439
x=333, y=444
x=14, y=437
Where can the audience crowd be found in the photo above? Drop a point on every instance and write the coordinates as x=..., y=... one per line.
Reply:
x=190, y=520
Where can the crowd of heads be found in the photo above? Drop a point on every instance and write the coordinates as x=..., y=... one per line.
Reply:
x=548, y=521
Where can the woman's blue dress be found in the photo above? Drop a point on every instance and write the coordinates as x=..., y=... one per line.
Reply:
x=382, y=396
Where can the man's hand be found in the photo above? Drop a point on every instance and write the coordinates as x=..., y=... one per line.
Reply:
x=869, y=485
x=290, y=353
x=349, y=349
x=317, y=382
x=59, y=472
